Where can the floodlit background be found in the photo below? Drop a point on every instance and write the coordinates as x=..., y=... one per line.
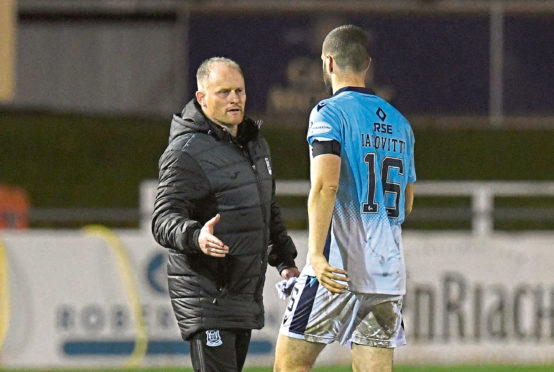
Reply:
x=87, y=90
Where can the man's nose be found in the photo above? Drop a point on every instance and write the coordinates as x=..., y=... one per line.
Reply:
x=235, y=96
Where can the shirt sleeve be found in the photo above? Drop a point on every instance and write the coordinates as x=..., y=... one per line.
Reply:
x=181, y=184
x=325, y=124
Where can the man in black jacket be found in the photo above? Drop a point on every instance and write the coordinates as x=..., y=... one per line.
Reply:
x=216, y=212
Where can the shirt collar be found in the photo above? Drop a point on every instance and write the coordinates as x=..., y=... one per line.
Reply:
x=354, y=89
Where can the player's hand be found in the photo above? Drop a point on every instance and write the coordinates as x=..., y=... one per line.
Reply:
x=208, y=242
x=290, y=272
x=329, y=276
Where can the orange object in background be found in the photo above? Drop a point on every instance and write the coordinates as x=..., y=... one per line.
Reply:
x=14, y=207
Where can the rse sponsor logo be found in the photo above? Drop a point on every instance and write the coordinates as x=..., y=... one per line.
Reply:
x=382, y=128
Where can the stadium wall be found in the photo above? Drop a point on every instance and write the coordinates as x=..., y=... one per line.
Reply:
x=96, y=297
x=87, y=65
x=140, y=57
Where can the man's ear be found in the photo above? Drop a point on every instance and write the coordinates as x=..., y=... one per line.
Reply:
x=200, y=98
x=368, y=65
x=330, y=63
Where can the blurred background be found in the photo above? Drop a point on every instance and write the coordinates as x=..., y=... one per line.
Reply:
x=88, y=88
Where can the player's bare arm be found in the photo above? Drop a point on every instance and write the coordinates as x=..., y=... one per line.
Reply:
x=409, y=199
x=325, y=170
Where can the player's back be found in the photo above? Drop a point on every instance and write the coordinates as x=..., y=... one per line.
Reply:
x=378, y=147
x=376, y=165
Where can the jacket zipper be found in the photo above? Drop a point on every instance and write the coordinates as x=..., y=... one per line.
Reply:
x=259, y=187
x=266, y=224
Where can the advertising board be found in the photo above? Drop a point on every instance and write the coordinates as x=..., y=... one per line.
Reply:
x=99, y=298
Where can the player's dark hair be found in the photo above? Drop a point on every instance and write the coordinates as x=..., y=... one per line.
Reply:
x=349, y=47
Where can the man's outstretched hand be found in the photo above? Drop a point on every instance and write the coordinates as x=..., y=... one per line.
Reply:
x=209, y=243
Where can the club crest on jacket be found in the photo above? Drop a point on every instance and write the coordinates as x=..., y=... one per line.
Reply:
x=213, y=338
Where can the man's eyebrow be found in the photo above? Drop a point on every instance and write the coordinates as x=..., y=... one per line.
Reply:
x=228, y=88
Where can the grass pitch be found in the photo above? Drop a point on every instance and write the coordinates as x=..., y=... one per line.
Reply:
x=463, y=368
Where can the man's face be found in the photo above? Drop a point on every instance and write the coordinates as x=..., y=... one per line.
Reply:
x=223, y=98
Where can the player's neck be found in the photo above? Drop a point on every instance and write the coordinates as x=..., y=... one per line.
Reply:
x=348, y=81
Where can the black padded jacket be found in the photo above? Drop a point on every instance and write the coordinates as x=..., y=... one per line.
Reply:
x=205, y=171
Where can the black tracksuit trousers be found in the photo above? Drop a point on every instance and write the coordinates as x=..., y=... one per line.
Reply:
x=221, y=350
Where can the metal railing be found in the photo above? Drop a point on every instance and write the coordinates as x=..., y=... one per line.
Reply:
x=480, y=211
x=482, y=195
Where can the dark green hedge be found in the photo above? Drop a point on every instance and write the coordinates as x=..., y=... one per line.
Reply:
x=77, y=161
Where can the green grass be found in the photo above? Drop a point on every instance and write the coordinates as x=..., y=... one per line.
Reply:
x=462, y=368
x=469, y=368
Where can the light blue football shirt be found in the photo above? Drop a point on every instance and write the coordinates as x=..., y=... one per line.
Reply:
x=377, y=162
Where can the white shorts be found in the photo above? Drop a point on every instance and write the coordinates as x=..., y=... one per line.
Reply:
x=314, y=314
